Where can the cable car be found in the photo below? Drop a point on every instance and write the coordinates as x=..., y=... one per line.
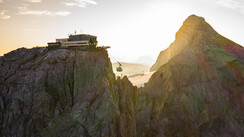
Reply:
x=119, y=68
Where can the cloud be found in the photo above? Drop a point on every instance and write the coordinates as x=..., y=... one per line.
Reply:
x=237, y=5
x=79, y=3
x=3, y=15
x=72, y=4
x=33, y=1
x=26, y=11
x=62, y=13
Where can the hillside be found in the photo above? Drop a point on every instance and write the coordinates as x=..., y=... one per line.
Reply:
x=199, y=85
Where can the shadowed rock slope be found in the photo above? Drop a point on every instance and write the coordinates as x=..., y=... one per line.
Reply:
x=199, y=88
x=59, y=93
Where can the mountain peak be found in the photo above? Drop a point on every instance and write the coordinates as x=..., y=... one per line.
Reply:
x=196, y=32
x=195, y=19
x=195, y=28
x=196, y=23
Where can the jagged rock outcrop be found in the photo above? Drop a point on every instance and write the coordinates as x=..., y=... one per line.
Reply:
x=198, y=89
x=55, y=93
x=124, y=100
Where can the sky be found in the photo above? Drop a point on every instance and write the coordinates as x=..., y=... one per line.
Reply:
x=136, y=30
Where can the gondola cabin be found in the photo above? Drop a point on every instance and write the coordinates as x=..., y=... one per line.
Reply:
x=80, y=40
x=119, y=69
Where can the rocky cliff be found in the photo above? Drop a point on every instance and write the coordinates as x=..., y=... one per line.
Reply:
x=56, y=93
x=198, y=89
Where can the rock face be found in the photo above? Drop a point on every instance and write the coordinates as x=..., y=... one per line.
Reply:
x=198, y=89
x=55, y=93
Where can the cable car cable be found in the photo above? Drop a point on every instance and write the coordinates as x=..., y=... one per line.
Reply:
x=118, y=69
